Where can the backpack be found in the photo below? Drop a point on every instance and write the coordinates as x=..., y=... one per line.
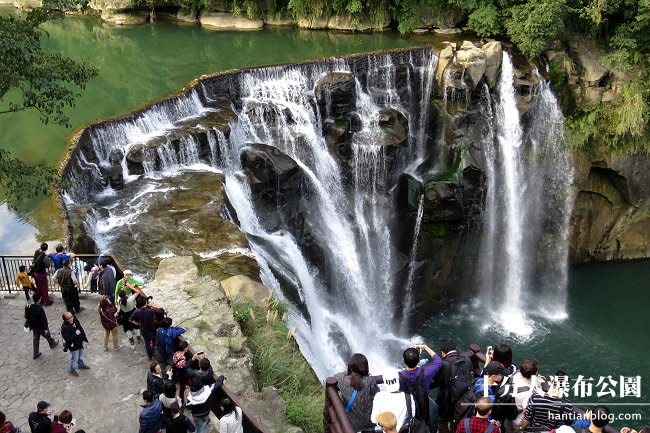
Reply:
x=28, y=317
x=464, y=406
x=505, y=396
x=489, y=429
x=411, y=423
x=416, y=389
x=461, y=377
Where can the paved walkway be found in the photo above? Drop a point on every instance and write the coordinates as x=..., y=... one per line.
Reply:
x=104, y=399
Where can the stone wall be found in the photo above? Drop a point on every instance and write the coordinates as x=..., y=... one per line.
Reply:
x=198, y=304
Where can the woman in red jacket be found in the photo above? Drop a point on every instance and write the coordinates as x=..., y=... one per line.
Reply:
x=107, y=316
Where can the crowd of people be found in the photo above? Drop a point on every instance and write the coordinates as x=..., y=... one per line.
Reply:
x=499, y=397
x=178, y=382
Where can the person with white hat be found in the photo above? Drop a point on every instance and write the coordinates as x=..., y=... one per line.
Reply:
x=129, y=284
x=390, y=399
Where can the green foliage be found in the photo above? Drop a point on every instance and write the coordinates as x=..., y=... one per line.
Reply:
x=486, y=20
x=624, y=126
x=34, y=79
x=534, y=24
x=19, y=180
x=279, y=363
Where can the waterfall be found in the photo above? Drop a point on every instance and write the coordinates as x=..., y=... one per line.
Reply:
x=529, y=179
x=331, y=253
x=407, y=303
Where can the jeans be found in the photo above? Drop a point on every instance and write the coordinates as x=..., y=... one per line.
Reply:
x=148, y=344
x=76, y=356
x=433, y=416
x=201, y=422
x=37, y=339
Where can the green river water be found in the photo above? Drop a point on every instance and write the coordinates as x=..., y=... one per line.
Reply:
x=607, y=332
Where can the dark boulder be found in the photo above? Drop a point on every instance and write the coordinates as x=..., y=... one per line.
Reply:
x=394, y=127
x=441, y=202
x=336, y=94
x=277, y=184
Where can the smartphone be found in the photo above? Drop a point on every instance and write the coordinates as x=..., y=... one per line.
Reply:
x=200, y=353
x=489, y=350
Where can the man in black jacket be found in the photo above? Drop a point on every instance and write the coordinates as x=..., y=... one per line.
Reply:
x=39, y=421
x=156, y=380
x=37, y=321
x=74, y=336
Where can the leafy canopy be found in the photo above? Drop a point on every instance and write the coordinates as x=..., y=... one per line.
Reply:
x=34, y=79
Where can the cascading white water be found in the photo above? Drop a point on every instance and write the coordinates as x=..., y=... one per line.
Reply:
x=352, y=301
x=523, y=176
x=407, y=303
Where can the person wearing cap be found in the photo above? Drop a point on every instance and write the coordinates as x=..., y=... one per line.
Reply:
x=391, y=399
x=39, y=421
x=128, y=283
x=495, y=372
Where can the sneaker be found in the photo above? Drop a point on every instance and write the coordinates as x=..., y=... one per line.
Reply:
x=84, y=367
x=37, y=355
x=49, y=303
x=82, y=309
x=73, y=373
x=117, y=348
x=56, y=343
x=105, y=349
x=131, y=341
x=139, y=339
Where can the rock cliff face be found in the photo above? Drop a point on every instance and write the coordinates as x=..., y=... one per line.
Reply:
x=197, y=303
x=611, y=220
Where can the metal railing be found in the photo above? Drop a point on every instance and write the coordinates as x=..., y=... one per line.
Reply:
x=335, y=419
x=9, y=268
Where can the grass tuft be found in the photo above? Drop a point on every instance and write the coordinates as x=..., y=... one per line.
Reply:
x=279, y=363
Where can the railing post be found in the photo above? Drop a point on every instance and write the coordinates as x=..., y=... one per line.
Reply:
x=4, y=270
x=330, y=382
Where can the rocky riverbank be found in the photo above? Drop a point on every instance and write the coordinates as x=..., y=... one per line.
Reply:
x=199, y=304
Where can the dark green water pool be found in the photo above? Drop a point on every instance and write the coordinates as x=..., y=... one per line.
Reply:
x=606, y=334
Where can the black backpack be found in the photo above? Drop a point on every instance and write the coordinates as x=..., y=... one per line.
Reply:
x=416, y=389
x=411, y=423
x=461, y=377
x=505, y=396
x=465, y=405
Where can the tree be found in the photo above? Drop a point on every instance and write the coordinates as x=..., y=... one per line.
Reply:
x=34, y=79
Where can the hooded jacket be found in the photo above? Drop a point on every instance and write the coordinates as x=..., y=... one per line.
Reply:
x=199, y=402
